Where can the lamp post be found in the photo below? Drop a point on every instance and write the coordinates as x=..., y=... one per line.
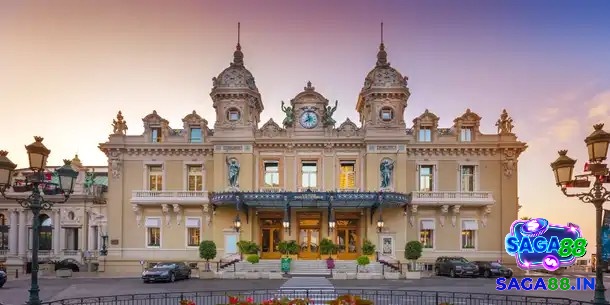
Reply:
x=104, y=250
x=237, y=223
x=37, y=155
x=563, y=167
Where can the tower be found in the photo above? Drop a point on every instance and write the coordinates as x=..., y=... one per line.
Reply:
x=383, y=98
x=236, y=99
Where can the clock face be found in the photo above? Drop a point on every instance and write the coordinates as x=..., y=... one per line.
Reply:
x=309, y=119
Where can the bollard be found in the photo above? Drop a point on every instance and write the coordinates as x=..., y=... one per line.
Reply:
x=16, y=273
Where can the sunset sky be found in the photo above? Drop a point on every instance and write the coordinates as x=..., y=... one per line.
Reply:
x=67, y=67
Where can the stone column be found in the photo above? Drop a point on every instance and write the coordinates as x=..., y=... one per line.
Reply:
x=84, y=234
x=23, y=233
x=57, y=236
x=12, y=234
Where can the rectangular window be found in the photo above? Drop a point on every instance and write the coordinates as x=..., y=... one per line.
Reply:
x=155, y=133
x=153, y=232
x=233, y=115
x=425, y=134
x=193, y=232
x=196, y=136
x=469, y=234
x=195, y=178
x=271, y=173
x=309, y=174
x=426, y=178
x=155, y=177
x=426, y=233
x=347, y=176
x=466, y=134
x=467, y=178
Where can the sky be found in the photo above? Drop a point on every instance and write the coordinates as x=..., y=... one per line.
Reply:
x=67, y=67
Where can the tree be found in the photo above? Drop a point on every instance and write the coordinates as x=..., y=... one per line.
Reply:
x=525, y=218
x=413, y=251
x=207, y=251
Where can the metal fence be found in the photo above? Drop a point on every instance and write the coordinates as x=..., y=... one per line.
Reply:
x=321, y=296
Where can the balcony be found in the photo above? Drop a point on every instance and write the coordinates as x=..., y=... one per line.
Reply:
x=452, y=198
x=169, y=197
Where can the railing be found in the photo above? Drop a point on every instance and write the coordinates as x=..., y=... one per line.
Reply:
x=71, y=252
x=3, y=252
x=452, y=197
x=144, y=196
x=321, y=296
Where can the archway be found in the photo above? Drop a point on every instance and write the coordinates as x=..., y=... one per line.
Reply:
x=46, y=232
x=3, y=233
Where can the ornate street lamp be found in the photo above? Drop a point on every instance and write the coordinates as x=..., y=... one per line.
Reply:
x=237, y=223
x=104, y=250
x=37, y=155
x=331, y=222
x=286, y=223
x=597, y=146
x=380, y=224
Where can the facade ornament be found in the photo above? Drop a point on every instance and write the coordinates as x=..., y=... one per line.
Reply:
x=509, y=162
x=165, y=211
x=138, y=211
x=289, y=148
x=412, y=216
x=208, y=219
x=115, y=167
x=119, y=125
x=178, y=213
x=233, y=167
x=485, y=215
x=289, y=119
x=327, y=118
x=165, y=129
x=505, y=124
x=456, y=211
x=386, y=169
x=206, y=208
x=328, y=147
x=444, y=212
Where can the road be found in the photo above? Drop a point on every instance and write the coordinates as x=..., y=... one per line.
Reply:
x=391, y=291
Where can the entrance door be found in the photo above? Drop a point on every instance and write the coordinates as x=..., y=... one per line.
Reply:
x=309, y=235
x=347, y=239
x=270, y=237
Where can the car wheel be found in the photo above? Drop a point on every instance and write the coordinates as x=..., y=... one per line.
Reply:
x=146, y=282
x=452, y=273
x=487, y=274
x=509, y=275
x=172, y=278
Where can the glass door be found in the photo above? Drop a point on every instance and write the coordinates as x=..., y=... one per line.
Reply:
x=347, y=239
x=309, y=235
x=270, y=237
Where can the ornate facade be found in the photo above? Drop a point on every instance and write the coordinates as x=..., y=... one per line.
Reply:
x=70, y=231
x=454, y=189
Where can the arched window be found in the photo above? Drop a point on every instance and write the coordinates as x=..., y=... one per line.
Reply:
x=3, y=233
x=46, y=232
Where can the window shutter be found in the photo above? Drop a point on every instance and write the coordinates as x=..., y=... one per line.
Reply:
x=427, y=225
x=470, y=225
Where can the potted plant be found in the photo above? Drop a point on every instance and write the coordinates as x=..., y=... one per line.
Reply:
x=207, y=251
x=413, y=251
x=327, y=247
x=363, y=274
x=368, y=249
x=293, y=249
x=253, y=259
x=247, y=247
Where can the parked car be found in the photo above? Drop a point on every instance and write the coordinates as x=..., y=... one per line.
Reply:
x=489, y=269
x=3, y=278
x=167, y=272
x=455, y=266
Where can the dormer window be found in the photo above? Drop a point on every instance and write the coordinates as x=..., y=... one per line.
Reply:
x=466, y=134
x=233, y=115
x=386, y=114
x=195, y=135
x=425, y=134
x=155, y=134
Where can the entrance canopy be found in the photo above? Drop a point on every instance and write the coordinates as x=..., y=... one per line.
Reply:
x=310, y=199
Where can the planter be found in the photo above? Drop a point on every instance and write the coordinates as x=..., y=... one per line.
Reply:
x=293, y=256
x=240, y=275
x=47, y=269
x=364, y=276
x=414, y=275
x=372, y=258
x=351, y=275
x=63, y=273
x=253, y=275
x=275, y=276
x=339, y=276
x=228, y=275
x=206, y=275
x=392, y=275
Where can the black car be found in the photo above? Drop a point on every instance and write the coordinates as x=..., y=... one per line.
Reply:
x=489, y=269
x=454, y=267
x=167, y=272
x=3, y=277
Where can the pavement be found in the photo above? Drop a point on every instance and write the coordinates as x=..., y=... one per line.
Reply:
x=391, y=292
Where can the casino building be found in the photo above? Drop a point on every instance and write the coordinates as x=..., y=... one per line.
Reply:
x=384, y=179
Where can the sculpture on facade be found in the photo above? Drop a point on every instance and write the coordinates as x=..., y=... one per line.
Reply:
x=386, y=168
x=327, y=119
x=505, y=123
x=119, y=125
x=289, y=119
x=233, y=172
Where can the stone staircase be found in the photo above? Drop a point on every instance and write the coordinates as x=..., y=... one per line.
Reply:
x=300, y=268
x=309, y=268
x=264, y=265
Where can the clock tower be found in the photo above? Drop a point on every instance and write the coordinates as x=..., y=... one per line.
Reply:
x=310, y=113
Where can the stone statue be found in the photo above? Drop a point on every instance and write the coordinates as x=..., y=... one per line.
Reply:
x=89, y=179
x=289, y=120
x=233, y=172
x=328, y=120
x=119, y=125
x=386, y=168
x=505, y=123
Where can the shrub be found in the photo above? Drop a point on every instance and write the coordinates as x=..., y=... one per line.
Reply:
x=282, y=246
x=207, y=251
x=363, y=260
x=413, y=250
x=368, y=248
x=186, y=302
x=247, y=247
x=327, y=247
x=293, y=247
x=349, y=300
x=253, y=259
